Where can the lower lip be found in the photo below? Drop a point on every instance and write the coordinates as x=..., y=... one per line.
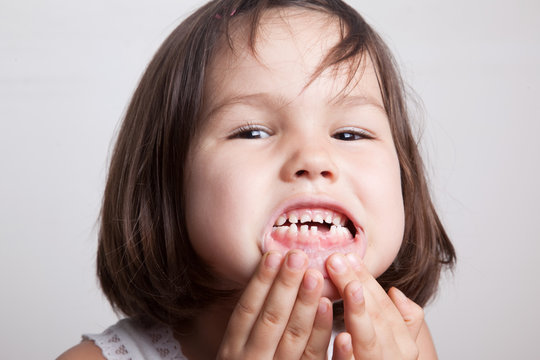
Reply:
x=318, y=254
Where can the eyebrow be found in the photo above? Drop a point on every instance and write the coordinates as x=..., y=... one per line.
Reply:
x=250, y=99
x=268, y=99
x=357, y=100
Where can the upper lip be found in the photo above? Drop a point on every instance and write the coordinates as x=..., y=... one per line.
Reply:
x=306, y=202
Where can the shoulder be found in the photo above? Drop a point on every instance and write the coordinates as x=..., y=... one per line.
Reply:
x=86, y=350
x=424, y=341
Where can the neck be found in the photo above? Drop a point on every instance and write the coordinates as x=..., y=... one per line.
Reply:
x=201, y=339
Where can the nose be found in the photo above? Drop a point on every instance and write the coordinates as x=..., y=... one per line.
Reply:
x=310, y=161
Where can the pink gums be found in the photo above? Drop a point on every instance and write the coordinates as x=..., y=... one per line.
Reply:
x=317, y=245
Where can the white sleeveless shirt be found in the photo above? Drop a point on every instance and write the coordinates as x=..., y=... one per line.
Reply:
x=128, y=340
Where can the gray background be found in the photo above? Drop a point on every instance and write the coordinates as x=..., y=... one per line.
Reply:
x=67, y=69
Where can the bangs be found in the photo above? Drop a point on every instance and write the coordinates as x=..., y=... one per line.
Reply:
x=350, y=53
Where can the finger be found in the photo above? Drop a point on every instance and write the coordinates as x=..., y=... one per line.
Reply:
x=250, y=303
x=340, y=272
x=319, y=339
x=378, y=301
x=380, y=312
x=413, y=317
x=275, y=312
x=343, y=270
x=393, y=333
x=365, y=277
x=412, y=313
x=343, y=349
x=359, y=324
x=300, y=324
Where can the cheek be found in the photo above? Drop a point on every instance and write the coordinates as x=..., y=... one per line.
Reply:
x=217, y=215
x=383, y=202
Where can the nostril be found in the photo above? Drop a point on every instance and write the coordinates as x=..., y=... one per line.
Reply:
x=326, y=174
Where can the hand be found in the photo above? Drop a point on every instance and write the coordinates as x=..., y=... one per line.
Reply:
x=280, y=314
x=379, y=325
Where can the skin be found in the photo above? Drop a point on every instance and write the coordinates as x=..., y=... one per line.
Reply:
x=295, y=151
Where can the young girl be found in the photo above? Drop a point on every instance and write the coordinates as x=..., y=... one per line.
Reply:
x=266, y=169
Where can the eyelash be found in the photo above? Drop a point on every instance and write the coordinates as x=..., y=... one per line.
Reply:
x=244, y=130
x=247, y=132
x=357, y=134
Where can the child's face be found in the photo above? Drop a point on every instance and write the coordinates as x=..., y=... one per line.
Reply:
x=274, y=154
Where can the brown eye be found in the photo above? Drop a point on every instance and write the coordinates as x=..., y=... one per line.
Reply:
x=250, y=132
x=352, y=135
x=347, y=136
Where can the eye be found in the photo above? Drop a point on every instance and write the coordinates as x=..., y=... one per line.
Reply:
x=250, y=132
x=352, y=134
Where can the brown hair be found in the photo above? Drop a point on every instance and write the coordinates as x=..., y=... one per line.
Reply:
x=146, y=264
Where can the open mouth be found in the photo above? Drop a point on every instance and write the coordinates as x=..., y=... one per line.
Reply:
x=312, y=230
x=317, y=230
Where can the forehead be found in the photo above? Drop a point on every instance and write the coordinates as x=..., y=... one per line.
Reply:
x=289, y=47
x=291, y=30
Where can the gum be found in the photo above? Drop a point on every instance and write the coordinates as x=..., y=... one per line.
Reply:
x=310, y=240
x=316, y=250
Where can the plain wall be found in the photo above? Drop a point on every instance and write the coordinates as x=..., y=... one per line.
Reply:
x=68, y=68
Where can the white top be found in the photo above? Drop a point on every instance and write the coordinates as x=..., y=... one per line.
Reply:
x=128, y=340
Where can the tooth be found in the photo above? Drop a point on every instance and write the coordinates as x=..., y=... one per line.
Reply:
x=303, y=229
x=313, y=230
x=328, y=219
x=281, y=220
x=282, y=229
x=318, y=218
x=337, y=220
x=305, y=218
x=333, y=230
x=293, y=219
x=293, y=229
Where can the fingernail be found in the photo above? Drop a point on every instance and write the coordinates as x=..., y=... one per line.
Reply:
x=310, y=281
x=337, y=263
x=323, y=307
x=347, y=345
x=296, y=261
x=353, y=260
x=272, y=260
x=401, y=297
x=357, y=293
